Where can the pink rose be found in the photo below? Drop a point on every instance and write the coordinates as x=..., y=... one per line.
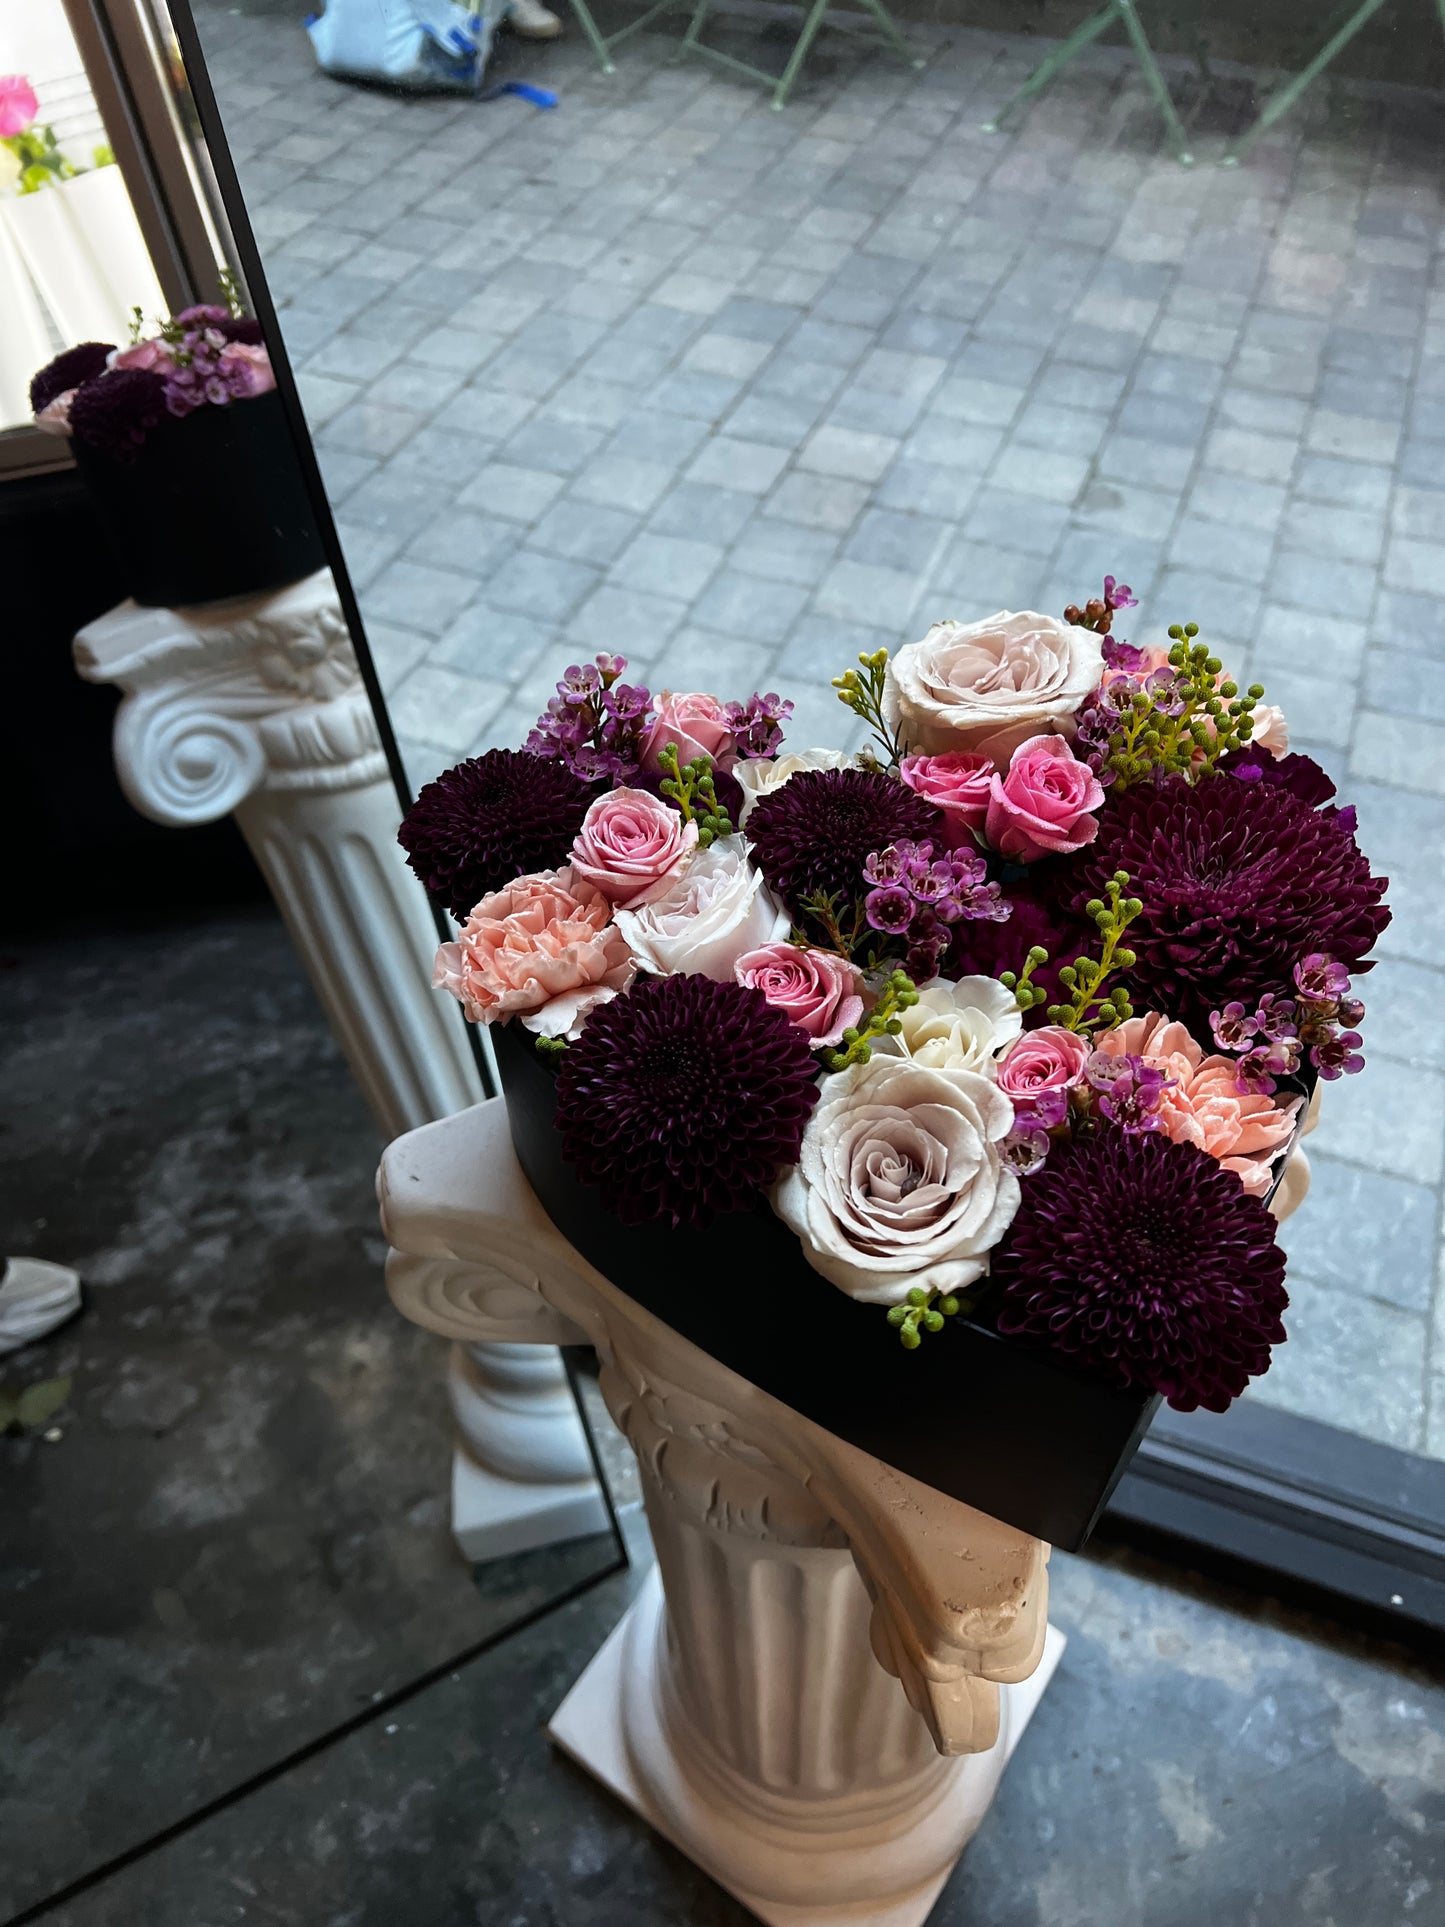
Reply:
x=18, y=105
x=1050, y=1059
x=631, y=846
x=958, y=782
x=246, y=369
x=543, y=949
x=814, y=989
x=697, y=723
x=1041, y=807
x=54, y=417
x=154, y=355
x=1271, y=731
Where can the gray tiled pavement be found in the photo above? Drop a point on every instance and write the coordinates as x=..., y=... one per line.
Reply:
x=741, y=393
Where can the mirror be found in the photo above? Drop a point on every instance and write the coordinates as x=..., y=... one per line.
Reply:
x=233, y=1477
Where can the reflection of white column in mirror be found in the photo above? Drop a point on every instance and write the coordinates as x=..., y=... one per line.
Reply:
x=815, y=1694
x=256, y=707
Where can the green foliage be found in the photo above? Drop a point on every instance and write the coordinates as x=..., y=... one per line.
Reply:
x=1212, y=719
x=923, y=1311
x=864, y=696
x=549, y=1049
x=102, y=156
x=895, y=994
x=41, y=162
x=690, y=786
x=231, y=293
x=1089, y=1007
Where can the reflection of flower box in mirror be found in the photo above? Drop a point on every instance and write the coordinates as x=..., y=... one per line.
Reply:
x=1006, y=1428
x=212, y=505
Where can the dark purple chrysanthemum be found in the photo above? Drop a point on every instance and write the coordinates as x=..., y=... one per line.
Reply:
x=490, y=819
x=817, y=831
x=684, y=1098
x=68, y=370
x=1301, y=775
x=242, y=328
x=1147, y=1262
x=113, y=413
x=1238, y=881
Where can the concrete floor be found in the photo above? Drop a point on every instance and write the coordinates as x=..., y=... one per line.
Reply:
x=740, y=393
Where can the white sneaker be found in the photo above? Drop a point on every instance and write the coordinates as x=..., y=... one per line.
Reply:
x=533, y=21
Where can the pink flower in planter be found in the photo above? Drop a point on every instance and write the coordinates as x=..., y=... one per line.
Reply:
x=18, y=105
x=1043, y=804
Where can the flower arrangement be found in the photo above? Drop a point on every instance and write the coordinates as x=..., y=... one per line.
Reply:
x=108, y=400
x=1009, y=1017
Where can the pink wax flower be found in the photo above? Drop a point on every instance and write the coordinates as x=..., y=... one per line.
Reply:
x=697, y=723
x=246, y=370
x=1204, y=1106
x=814, y=989
x=631, y=846
x=958, y=782
x=544, y=949
x=1044, y=1060
x=154, y=355
x=18, y=104
x=1042, y=806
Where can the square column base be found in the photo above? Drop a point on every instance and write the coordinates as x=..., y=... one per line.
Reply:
x=587, y=1726
x=493, y=1517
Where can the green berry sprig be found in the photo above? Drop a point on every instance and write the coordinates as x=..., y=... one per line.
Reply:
x=1212, y=718
x=1090, y=1007
x=1026, y=993
x=690, y=787
x=864, y=696
x=896, y=994
x=923, y=1311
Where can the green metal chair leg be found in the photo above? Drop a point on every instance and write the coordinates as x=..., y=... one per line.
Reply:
x=699, y=16
x=1173, y=126
x=893, y=35
x=1045, y=72
x=1280, y=102
x=800, y=53
x=599, y=45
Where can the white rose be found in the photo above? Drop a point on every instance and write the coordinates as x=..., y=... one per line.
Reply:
x=957, y=1027
x=986, y=686
x=899, y=1182
x=717, y=911
x=761, y=775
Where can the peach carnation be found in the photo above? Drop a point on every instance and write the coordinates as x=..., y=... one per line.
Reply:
x=543, y=948
x=1246, y=1132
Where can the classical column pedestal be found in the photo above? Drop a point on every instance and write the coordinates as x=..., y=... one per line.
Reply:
x=522, y=1474
x=256, y=707
x=816, y=1693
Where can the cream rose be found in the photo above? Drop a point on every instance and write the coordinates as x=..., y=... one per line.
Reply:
x=957, y=1026
x=717, y=910
x=759, y=776
x=899, y=1182
x=987, y=686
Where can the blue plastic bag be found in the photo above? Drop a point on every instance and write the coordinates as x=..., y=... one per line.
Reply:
x=430, y=45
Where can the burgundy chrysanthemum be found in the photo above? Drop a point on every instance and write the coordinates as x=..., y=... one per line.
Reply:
x=684, y=1098
x=1147, y=1262
x=490, y=819
x=817, y=831
x=68, y=370
x=113, y=413
x=982, y=948
x=1238, y=882
x=1301, y=775
x=242, y=328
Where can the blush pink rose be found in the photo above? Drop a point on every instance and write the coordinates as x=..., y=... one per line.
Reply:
x=631, y=846
x=1049, y=1059
x=246, y=370
x=958, y=782
x=1244, y=1130
x=1042, y=806
x=697, y=723
x=814, y=989
x=154, y=355
x=1271, y=731
x=54, y=417
x=543, y=949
